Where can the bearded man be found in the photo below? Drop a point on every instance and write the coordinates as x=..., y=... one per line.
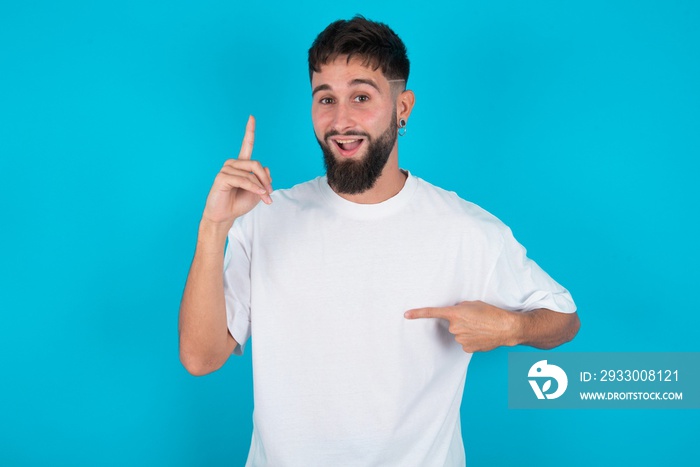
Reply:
x=365, y=291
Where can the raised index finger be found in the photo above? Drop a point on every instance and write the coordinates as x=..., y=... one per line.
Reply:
x=430, y=312
x=248, y=140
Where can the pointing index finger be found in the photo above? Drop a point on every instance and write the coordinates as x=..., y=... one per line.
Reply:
x=248, y=140
x=430, y=312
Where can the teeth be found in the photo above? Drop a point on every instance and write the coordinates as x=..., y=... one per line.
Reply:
x=345, y=141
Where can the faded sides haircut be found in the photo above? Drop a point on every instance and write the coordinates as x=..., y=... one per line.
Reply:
x=372, y=42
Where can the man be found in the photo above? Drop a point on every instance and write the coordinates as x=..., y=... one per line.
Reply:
x=366, y=291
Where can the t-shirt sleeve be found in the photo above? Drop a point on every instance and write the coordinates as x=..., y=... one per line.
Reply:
x=237, y=286
x=517, y=283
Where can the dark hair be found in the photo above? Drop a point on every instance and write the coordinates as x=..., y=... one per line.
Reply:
x=375, y=43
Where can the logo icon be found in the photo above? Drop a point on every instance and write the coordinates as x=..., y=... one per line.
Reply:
x=541, y=370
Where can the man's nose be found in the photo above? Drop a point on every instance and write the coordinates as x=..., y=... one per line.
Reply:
x=343, y=118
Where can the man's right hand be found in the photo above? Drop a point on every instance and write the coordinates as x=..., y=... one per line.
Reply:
x=205, y=341
x=239, y=186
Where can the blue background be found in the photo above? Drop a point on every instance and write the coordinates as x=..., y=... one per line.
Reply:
x=577, y=123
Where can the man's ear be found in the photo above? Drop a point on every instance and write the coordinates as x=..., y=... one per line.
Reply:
x=404, y=104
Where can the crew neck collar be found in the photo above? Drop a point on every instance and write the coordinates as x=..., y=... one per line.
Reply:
x=368, y=211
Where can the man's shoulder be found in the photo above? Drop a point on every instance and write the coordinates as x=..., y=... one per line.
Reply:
x=286, y=203
x=299, y=192
x=301, y=196
x=446, y=202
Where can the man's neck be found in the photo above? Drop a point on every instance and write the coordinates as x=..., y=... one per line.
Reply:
x=388, y=185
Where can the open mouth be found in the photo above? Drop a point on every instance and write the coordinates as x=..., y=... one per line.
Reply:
x=348, y=147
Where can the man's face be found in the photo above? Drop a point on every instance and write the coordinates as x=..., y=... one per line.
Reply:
x=354, y=117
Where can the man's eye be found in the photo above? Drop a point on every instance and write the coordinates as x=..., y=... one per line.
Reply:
x=361, y=98
x=326, y=100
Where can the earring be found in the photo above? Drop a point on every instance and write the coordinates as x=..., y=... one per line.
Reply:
x=402, y=127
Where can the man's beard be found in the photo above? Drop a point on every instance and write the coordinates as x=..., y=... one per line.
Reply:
x=353, y=177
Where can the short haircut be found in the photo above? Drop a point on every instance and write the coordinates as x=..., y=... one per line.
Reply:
x=374, y=43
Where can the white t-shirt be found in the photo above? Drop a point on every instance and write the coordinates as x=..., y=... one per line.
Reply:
x=321, y=284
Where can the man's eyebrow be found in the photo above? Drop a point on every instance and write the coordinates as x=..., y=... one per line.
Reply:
x=321, y=87
x=354, y=82
x=359, y=81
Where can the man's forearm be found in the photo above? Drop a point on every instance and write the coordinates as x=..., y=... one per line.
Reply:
x=205, y=343
x=545, y=329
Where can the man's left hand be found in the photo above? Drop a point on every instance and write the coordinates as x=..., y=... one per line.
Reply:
x=476, y=326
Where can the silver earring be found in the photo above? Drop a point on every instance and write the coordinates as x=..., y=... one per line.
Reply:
x=402, y=127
